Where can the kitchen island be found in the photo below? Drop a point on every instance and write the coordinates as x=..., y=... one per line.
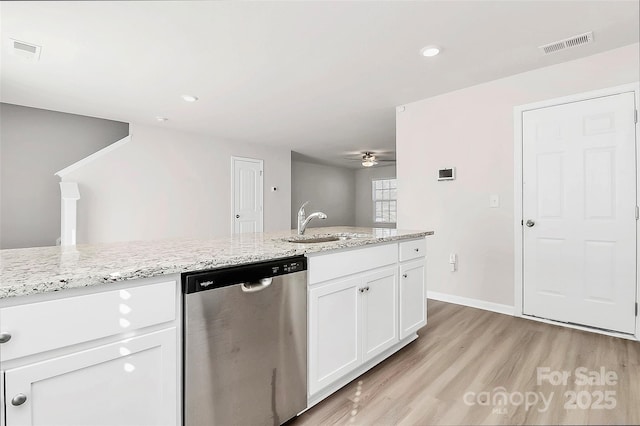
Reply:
x=73, y=319
x=48, y=269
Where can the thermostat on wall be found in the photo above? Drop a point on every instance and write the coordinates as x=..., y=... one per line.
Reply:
x=447, y=174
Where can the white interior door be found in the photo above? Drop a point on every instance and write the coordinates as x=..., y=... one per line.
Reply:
x=579, y=209
x=247, y=195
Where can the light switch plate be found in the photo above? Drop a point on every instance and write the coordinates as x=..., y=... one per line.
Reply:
x=494, y=201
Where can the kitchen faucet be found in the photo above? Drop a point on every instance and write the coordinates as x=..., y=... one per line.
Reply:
x=303, y=221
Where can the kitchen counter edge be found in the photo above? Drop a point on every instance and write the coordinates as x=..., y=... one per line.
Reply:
x=24, y=271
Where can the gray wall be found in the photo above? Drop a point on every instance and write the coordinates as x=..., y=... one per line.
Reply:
x=363, y=200
x=34, y=144
x=330, y=190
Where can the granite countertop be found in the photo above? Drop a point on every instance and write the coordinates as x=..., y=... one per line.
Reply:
x=47, y=269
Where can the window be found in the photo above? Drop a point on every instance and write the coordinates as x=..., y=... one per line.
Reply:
x=384, y=200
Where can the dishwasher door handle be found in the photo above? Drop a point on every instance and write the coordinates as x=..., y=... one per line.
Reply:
x=256, y=286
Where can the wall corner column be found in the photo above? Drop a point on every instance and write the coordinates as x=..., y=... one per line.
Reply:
x=68, y=222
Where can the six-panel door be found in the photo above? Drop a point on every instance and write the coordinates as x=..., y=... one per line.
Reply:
x=579, y=211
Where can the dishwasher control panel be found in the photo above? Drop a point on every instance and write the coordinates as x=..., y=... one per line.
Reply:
x=292, y=267
x=193, y=282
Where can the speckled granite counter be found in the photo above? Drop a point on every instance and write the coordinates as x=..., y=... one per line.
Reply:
x=47, y=269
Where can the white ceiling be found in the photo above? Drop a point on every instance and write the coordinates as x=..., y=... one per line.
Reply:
x=320, y=77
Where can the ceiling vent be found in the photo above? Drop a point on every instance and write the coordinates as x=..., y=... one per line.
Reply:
x=567, y=43
x=25, y=50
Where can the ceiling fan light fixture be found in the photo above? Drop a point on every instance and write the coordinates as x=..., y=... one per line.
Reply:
x=369, y=160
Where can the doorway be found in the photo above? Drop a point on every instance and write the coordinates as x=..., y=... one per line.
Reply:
x=578, y=191
x=246, y=195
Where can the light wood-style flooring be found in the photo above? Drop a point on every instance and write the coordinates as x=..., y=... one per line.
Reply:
x=465, y=351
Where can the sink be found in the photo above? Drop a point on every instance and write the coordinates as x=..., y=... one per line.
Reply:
x=324, y=238
x=313, y=239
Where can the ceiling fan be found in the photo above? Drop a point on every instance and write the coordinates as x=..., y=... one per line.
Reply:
x=370, y=159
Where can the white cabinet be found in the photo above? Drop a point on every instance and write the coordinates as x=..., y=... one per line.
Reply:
x=51, y=324
x=379, y=312
x=131, y=382
x=350, y=322
x=334, y=331
x=93, y=358
x=364, y=305
x=413, y=296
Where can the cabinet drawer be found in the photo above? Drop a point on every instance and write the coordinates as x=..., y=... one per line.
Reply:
x=324, y=267
x=413, y=249
x=43, y=326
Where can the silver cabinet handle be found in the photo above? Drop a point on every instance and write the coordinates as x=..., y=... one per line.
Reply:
x=416, y=249
x=404, y=275
x=5, y=337
x=530, y=223
x=361, y=289
x=366, y=288
x=19, y=399
x=237, y=216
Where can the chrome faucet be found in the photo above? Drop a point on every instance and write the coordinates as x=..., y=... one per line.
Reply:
x=303, y=221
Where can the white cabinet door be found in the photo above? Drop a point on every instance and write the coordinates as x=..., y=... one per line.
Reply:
x=379, y=312
x=334, y=341
x=132, y=382
x=413, y=297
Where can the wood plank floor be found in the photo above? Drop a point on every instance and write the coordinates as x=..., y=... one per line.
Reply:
x=465, y=353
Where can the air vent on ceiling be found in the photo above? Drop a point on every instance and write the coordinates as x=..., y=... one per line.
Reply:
x=567, y=43
x=28, y=51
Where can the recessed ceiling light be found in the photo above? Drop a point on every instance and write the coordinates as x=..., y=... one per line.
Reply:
x=430, y=51
x=161, y=119
x=189, y=98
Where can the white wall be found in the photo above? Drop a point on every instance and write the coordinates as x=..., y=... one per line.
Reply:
x=167, y=184
x=364, y=201
x=329, y=189
x=34, y=144
x=472, y=129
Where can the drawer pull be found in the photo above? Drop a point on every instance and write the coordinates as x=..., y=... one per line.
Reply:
x=19, y=399
x=416, y=250
x=5, y=337
x=404, y=275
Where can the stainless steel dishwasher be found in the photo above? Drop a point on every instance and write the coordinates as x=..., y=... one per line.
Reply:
x=245, y=344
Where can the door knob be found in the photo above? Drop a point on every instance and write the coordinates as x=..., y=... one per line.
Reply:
x=19, y=399
x=237, y=216
x=5, y=337
x=530, y=223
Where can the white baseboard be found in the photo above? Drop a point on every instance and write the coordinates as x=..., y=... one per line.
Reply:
x=472, y=303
